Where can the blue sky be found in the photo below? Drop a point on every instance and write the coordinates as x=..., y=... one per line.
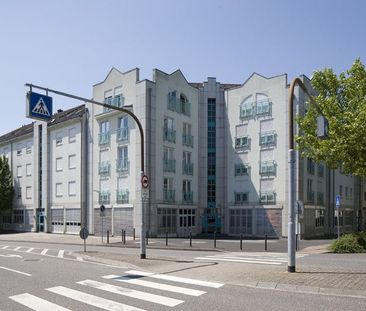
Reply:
x=70, y=45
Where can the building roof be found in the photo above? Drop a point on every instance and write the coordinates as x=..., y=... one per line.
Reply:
x=225, y=86
x=58, y=118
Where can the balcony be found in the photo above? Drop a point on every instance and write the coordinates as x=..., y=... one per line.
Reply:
x=169, y=195
x=104, y=168
x=242, y=143
x=123, y=166
x=104, y=138
x=187, y=196
x=187, y=168
x=122, y=196
x=169, y=165
x=246, y=111
x=267, y=168
x=117, y=101
x=263, y=107
x=241, y=169
x=169, y=135
x=187, y=140
x=122, y=134
x=104, y=197
x=267, y=139
x=268, y=197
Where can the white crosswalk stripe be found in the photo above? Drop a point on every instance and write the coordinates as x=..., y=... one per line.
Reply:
x=96, y=301
x=36, y=303
x=252, y=258
x=132, y=277
x=166, y=287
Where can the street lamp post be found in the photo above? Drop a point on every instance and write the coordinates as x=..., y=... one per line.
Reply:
x=291, y=246
x=142, y=232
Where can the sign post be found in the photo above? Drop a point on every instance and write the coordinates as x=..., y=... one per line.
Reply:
x=338, y=204
x=102, y=213
x=84, y=233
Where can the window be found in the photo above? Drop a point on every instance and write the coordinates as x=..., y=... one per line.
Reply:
x=19, y=192
x=350, y=193
x=168, y=192
x=59, y=137
x=185, y=105
x=187, y=163
x=242, y=143
x=319, y=218
x=72, y=188
x=267, y=138
x=168, y=130
x=104, y=133
x=241, y=221
x=241, y=197
x=267, y=197
x=267, y=168
x=58, y=164
x=122, y=191
x=28, y=192
x=346, y=192
x=320, y=198
x=122, y=159
x=168, y=160
x=122, y=130
x=187, y=217
x=72, y=161
x=241, y=169
x=310, y=166
x=309, y=191
x=104, y=193
x=246, y=110
x=19, y=171
x=19, y=149
x=28, y=169
x=263, y=106
x=72, y=135
x=28, y=147
x=320, y=170
x=187, y=192
x=59, y=190
x=18, y=216
x=167, y=218
x=187, y=135
x=341, y=191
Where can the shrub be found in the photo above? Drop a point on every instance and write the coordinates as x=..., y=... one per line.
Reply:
x=348, y=243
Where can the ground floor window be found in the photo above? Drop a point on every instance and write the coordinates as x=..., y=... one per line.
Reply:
x=18, y=216
x=340, y=218
x=57, y=219
x=187, y=217
x=167, y=220
x=319, y=218
x=349, y=218
x=241, y=221
x=6, y=219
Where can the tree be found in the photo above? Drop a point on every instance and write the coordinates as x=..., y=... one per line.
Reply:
x=6, y=185
x=342, y=101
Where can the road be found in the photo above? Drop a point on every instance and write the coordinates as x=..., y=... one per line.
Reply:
x=59, y=277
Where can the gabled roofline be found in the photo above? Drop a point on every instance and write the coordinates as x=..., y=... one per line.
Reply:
x=174, y=72
x=122, y=73
x=257, y=74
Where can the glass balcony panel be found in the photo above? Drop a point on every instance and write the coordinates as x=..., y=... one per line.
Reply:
x=188, y=196
x=122, y=134
x=169, y=135
x=104, y=167
x=104, y=138
x=104, y=197
x=169, y=165
x=169, y=195
x=123, y=165
x=122, y=196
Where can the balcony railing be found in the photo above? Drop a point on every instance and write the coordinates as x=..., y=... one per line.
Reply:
x=169, y=195
x=117, y=101
x=242, y=143
x=104, y=167
x=122, y=134
x=187, y=168
x=179, y=105
x=104, y=138
x=169, y=135
x=122, y=196
x=169, y=165
x=263, y=107
x=267, y=139
x=267, y=168
x=122, y=165
x=310, y=197
x=104, y=197
x=187, y=140
x=267, y=197
x=188, y=196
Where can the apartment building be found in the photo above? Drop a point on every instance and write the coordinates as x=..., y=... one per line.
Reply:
x=215, y=155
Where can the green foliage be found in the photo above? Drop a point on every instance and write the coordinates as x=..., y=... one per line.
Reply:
x=342, y=101
x=6, y=185
x=348, y=243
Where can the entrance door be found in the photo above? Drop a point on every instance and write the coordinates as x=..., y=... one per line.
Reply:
x=40, y=220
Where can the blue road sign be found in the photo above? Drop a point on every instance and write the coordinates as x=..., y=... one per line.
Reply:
x=338, y=200
x=39, y=106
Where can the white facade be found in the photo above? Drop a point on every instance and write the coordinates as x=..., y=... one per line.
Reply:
x=215, y=155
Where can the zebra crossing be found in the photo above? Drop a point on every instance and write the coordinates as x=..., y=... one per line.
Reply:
x=56, y=253
x=251, y=258
x=110, y=284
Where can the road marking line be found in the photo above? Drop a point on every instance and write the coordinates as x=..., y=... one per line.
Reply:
x=36, y=303
x=95, y=301
x=169, y=288
x=16, y=271
x=29, y=250
x=44, y=251
x=240, y=261
x=248, y=258
x=61, y=253
x=5, y=247
x=17, y=248
x=79, y=259
x=175, y=279
x=166, y=301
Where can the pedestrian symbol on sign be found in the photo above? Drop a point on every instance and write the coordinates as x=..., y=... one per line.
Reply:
x=41, y=108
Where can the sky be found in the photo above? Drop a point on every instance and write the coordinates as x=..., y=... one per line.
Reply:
x=70, y=45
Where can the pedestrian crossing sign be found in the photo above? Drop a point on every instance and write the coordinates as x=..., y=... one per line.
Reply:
x=39, y=106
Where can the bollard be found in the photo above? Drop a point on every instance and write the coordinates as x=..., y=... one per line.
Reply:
x=190, y=238
x=107, y=236
x=166, y=238
x=124, y=236
x=265, y=243
x=147, y=237
x=241, y=241
x=296, y=242
x=134, y=236
x=215, y=239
